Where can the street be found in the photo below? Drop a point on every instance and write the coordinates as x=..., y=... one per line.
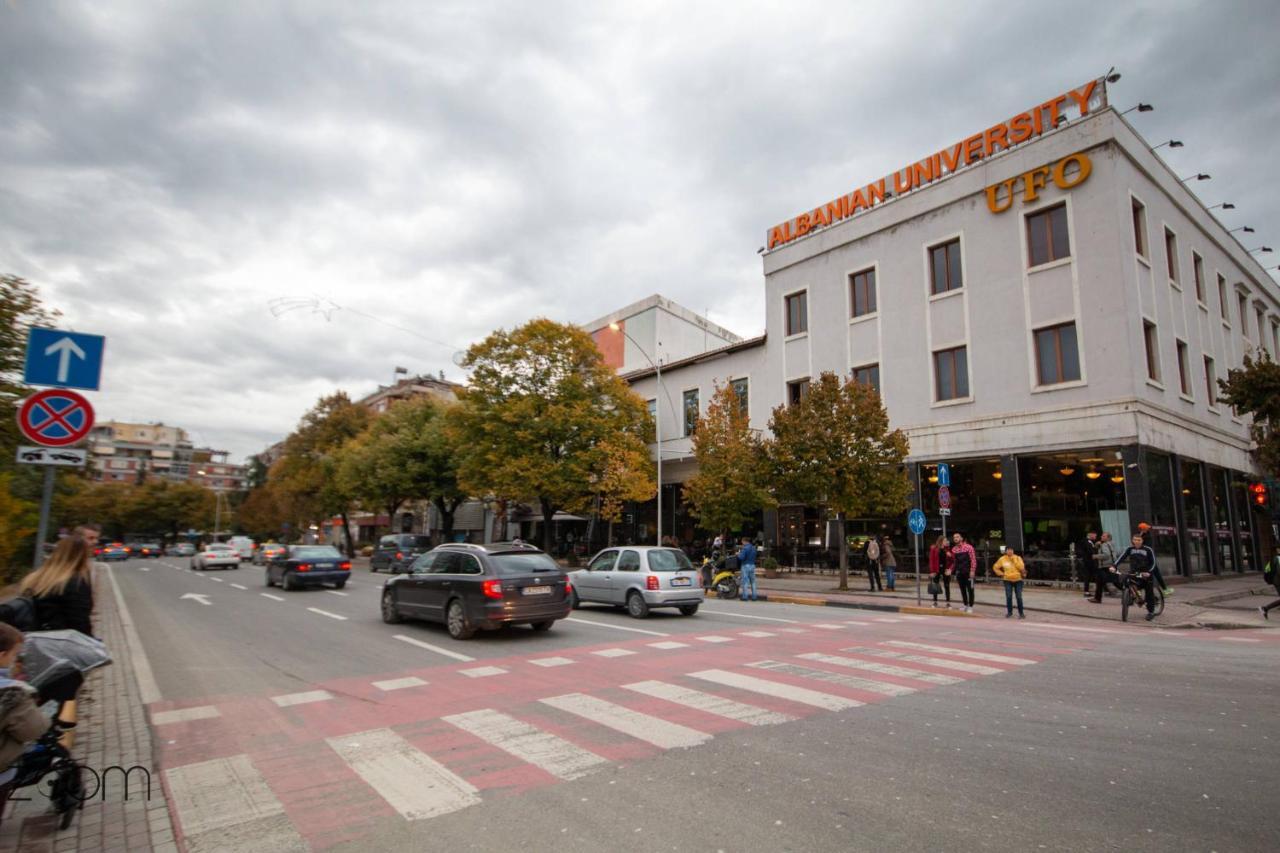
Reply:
x=295, y=720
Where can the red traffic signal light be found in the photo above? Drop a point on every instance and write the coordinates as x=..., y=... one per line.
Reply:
x=1259, y=492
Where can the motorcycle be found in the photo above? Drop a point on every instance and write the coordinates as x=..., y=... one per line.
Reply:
x=722, y=576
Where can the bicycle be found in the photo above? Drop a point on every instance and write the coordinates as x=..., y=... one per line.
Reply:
x=1132, y=593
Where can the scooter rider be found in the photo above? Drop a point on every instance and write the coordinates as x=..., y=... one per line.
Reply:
x=1142, y=560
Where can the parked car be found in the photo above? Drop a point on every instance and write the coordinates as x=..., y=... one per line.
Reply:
x=145, y=549
x=181, y=549
x=268, y=552
x=309, y=565
x=640, y=579
x=244, y=546
x=395, y=553
x=114, y=551
x=472, y=587
x=216, y=556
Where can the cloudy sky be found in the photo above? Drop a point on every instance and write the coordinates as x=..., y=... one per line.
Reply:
x=427, y=172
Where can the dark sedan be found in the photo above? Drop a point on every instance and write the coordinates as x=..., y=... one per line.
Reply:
x=309, y=565
x=146, y=549
x=474, y=587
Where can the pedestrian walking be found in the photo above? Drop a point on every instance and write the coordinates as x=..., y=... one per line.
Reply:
x=966, y=563
x=1271, y=574
x=940, y=568
x=1106, y=557
x=1010, y=569
x=62, y=588
x=873, y=565
x=747, y=567
x=1087, y=553
x=888, y=562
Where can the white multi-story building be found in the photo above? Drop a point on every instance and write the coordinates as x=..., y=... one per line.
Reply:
x=1050, y=317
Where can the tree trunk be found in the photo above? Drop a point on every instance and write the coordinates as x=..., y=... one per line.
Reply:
x=548, y=513
x=348, y=545
x=609, y=544
x=499, y=532
x=446, y=519
x=844, y=552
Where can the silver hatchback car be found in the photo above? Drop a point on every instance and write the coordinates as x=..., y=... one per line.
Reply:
x=639, y=578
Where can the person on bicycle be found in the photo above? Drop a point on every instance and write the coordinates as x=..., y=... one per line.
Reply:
x=1142, y=560
x=20, y=720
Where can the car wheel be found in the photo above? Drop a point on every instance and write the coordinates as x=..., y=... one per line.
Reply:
x=270, y=582
x=339, y=584
x=288, y=582
x=574, y=601
x=636, y=605
x=544, y=626
x=688, y=610
x=456, y=621
x=390, y=614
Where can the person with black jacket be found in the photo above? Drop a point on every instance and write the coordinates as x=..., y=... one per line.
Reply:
x=1141, y=560
x=62, y=588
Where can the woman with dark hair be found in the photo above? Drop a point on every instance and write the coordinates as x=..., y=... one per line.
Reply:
x=941, y=567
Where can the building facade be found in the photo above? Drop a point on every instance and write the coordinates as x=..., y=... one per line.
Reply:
x=1050, y=319
x=655, y=330
x=127, y=452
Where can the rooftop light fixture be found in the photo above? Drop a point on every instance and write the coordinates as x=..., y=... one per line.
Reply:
x=1225, y=205
x=1200, y=176
x=1263, y=249
x=1142, y=108
x=1112, y=75
x=1172, y=143
x=1245, y=228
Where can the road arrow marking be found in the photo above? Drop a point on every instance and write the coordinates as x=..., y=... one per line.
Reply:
x=203, y=599
x=65, y=347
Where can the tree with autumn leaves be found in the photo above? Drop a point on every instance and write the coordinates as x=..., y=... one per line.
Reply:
x=1254, y=389
x=732, y=482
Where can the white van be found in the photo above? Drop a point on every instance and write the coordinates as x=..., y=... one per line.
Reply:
x=243, y=546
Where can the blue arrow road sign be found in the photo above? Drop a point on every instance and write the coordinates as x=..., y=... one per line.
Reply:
x=915, y=520
x=64, y=359
x=944, y=474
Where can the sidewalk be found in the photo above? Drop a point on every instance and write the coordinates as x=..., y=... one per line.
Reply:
x=1209, y=604
x=118, y=813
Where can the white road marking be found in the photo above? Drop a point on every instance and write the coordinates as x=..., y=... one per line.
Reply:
x=883, y=668
x=706, y=609
x=668, y=644
x=238, y=586
x=182, y=715
x=555, y=755
x=712, y=638
x=884, y=688
x=856, y=622
x=411, y=641
x=1056, y=627
x=941, y=663
x=911, y=618
x=552, y=661
x=482, y=671
x=793, y=630
x=661, y=733
x=302, y=698
x=613, y=653
x=411, y=782
x=228, y=800
x=399, y=683
x=710, y=703
x=270, y=596
x=828, y=626
x=617, y=627
x=1240, y=639
x=961, y=653
x=197, y=596
x=212, y=578
x=143, y=569
x=336, y=592
x=758, y=634
x=773, y=688
x=327, y=613
x=148, y=689
x=887, y=619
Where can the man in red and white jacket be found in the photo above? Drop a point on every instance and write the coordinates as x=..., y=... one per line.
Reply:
x=966, y=566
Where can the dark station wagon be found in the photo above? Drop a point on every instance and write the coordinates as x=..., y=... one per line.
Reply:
x=474, y=587
x=309, y=565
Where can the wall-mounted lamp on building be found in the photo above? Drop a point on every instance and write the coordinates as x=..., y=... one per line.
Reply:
x=1142, y=108
x=1225, y=205
x=1199, y=176
x=1172, y=143
x=999, y=475
x=1263, y=249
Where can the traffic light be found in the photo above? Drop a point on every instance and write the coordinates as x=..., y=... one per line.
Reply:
x=1259, y=493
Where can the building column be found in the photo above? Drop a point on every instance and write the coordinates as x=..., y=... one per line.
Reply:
x=1011, y=498
x=1137, y=493
x=1180, y=515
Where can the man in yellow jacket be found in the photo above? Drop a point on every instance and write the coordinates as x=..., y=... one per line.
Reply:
x=1010, y=569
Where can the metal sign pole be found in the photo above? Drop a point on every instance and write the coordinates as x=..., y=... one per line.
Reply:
x=46, y=501
x=917, y=570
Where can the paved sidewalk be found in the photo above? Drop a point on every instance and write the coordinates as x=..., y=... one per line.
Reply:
x=1208, y=604
x=112, y=732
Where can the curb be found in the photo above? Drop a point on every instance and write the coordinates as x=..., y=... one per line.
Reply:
x=851, y=605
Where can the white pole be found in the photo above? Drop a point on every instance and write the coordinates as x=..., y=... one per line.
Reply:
x=657, y=414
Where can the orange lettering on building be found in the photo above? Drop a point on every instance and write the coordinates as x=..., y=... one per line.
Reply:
x=1035, y=180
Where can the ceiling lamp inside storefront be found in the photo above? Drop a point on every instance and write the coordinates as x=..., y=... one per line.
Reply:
x=1117, y=478
x=1066, y=470
x=1092, y=474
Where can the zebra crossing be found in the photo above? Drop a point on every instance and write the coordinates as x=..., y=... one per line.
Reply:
x=422, y=769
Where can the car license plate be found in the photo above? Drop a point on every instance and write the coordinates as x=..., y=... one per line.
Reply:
x=680, y=581
x=536, y=590
x=324, y=565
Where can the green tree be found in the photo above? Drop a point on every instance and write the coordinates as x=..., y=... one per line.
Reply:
x=439, y=474
x=17, y=527
x=628, y=476
x=834, y=447
x=534, y=421
x=1254, y=389
x=20, y=309
x=733, y=470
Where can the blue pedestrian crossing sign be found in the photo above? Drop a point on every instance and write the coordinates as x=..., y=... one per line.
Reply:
x=61, y=359
x=915, y=520
x=944, y=474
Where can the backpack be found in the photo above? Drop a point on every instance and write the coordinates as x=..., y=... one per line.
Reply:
x=873, y=550
x=20, y=612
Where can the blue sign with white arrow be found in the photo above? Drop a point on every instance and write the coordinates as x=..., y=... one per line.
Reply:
x=64, y=359
x=944, y=474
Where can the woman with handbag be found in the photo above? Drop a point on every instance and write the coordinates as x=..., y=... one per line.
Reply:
x=940, y=569
x=62, y=588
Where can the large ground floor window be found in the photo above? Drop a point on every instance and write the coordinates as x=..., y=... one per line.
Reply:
x=1064, y=496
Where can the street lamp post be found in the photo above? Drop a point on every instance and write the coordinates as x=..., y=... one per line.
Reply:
x=657, y=418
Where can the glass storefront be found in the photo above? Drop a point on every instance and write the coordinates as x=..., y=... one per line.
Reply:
x=1163, y=535
x=977, y=502
x=1223, y=540
x=1064, y=496
x=1194, y=512
x=1244, y=522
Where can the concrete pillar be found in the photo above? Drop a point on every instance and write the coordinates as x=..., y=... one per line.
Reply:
x=1011, y=497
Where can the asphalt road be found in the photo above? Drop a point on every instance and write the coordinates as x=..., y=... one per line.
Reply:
x=999, y=735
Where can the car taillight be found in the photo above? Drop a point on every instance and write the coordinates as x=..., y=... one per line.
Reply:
x=346, y=567
x=492, y=588
x=568, y=587
x=399, y=556
x=304, y=567
x=97, y=552
x=651, y=582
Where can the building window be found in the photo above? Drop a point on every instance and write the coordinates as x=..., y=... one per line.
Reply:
x=798, y=313
x=1261, y=314
x=1197, y=270
x=690, y=411
x=1222, y=300
x=951, y=373
x=868, y=374
x=862, y=292
x=1242, y=301
x=1184, y=372
x=1057, y=354
x=797, y=390
x=1139, y=228
x=652, y=405
x=1047, y=235
x=740, y=388
x=1171, y=255
x=944, y=266
x=1151, y=342
x=1211, y=381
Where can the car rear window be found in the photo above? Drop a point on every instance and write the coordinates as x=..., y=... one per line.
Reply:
x=217, y=547
x=668, y=560
x=522, y=564
x=322, y=551
x=416, y=542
